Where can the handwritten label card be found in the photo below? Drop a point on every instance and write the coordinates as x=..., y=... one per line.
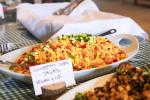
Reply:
x=50, y=73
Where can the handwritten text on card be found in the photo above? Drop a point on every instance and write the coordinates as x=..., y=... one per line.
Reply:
x=50, y=73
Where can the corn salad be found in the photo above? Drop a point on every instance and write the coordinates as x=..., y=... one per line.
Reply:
x=84, y=50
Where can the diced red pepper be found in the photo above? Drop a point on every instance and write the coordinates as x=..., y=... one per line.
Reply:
x=53, y=45
x=84, y=53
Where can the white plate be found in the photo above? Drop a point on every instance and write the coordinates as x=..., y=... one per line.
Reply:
x=89, y=85
x=131, y=50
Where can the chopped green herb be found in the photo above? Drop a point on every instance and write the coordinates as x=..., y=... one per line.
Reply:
x=11, y=67
x=80, y=96
x=71, y=56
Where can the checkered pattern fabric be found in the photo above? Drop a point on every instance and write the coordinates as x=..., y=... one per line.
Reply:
x=11, y=89
x=143, y=56
x=21, y=37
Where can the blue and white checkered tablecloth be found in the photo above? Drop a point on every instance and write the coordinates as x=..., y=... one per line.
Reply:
x=12, y=33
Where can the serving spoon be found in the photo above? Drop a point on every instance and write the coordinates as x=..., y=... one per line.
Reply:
x=11, y=63
x=111, y=31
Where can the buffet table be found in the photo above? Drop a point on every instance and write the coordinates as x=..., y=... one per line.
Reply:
x=13, y=89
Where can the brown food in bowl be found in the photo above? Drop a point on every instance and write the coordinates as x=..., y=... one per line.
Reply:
x=129, y=83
